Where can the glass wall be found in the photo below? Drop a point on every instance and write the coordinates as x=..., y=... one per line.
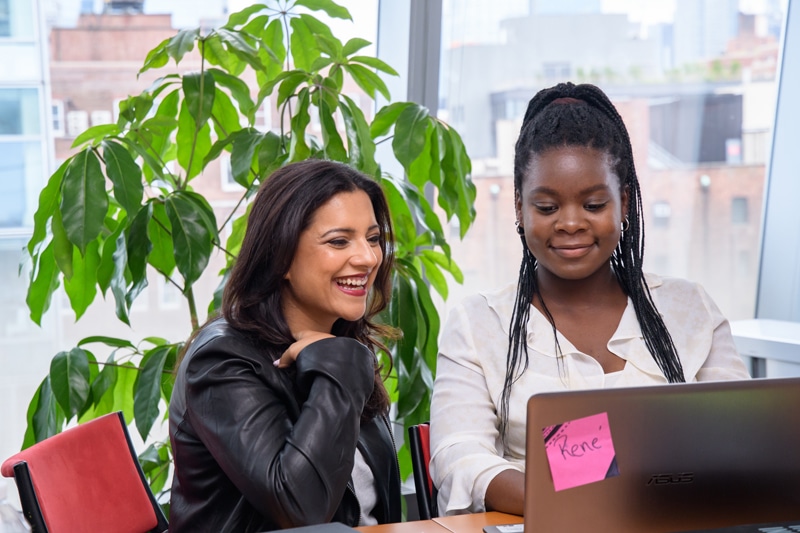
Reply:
x=695, y=82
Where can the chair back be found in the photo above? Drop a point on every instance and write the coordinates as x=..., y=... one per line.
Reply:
x=85, y=479
x=420, y=448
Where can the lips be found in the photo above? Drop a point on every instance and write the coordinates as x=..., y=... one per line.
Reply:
x=571, y=251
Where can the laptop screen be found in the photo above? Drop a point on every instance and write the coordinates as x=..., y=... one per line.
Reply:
x=663, y=458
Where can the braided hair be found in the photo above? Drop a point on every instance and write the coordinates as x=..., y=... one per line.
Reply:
x=582, y=115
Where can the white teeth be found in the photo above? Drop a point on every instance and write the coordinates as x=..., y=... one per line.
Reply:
x=359, y=282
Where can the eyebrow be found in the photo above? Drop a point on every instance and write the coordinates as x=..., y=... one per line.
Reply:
x=349, y=231
x=588, y=190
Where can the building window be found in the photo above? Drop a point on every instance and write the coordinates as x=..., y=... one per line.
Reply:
x=227, y=182
x=16, y=19
x=101, y=116
x=661, y=214
x=19, y=111
x=169, y=296
x=739, y=210
x=556, y=72
x=77, y=122
x=59, y=127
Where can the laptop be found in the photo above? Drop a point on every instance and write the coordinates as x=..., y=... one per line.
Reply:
x=669, y=458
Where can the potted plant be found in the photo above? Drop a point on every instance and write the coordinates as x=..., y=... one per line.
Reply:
x=123, y=206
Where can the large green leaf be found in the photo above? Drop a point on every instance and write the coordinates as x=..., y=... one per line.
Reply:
x=48, y=204
x=375, y=63
x=331, y=140
x=159, y=232
x=94, y=133
x=62, y=248
x=125, y=174
x=354, y=45
x=69, y=378
x=409, y=134
x=190, y=235
x=138, y=246
x=147, y=389
x=182, y=44
x=45, y=417
x=44, y=280
x=331, y=8
x=298, y=148
x=123, y=389
x=193, y=143
x=119, y=286
x=368, y=80
x=458, y=192
x=103, y=387
x=238, y=89
x=84, y=202
x=105, y=270
x=237, y=44
x=303, y=45
x=157, y=57
x=81, y=288
x=242, y=152
x=359, y=139
x=198, y=94
x=386, y=117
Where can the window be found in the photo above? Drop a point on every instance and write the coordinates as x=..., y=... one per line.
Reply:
x=693, y=105
x=101, y=116
x=19, y=111
x=57, y=110
x=661, y=213
x=77, y=122
x=739, y=208
x=16, y=19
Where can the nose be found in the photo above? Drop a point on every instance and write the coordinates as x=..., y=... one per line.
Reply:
x=366, y=254
x=570, y=219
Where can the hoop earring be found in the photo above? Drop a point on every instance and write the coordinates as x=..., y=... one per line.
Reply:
x=625, y=224
x=520, y=229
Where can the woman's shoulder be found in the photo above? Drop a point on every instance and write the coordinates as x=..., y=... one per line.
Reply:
x=498, y=301
x=661, y=283
x=218, y=338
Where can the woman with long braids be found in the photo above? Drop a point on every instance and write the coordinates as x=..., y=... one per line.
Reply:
x=582, y=314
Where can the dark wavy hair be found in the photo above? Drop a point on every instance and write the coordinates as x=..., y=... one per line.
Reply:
x=281, y=211
x=582, y=115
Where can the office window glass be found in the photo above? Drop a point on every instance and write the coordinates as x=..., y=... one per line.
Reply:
x=20, y=179
x=16, y=19
x=695, y=83
x=19, y=112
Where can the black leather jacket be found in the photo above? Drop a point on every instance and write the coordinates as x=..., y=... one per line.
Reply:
x=258, y=448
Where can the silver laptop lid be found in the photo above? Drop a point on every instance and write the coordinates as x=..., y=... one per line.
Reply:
x=685, y=456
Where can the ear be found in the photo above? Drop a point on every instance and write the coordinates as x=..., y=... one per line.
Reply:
x=624, y=198
x=518, y=205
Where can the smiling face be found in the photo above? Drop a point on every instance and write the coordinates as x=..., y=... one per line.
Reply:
x=571, y=207
x=335, y=264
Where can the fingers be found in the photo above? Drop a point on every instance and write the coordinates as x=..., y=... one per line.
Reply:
x=304, y=338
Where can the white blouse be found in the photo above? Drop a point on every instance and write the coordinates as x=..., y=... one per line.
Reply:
x=466, y=452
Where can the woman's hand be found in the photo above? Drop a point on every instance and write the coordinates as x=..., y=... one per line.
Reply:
x=304, y=338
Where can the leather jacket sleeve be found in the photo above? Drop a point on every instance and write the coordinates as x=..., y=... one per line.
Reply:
x=292, y=467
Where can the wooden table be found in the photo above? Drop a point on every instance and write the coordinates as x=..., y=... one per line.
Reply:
x=464, y=523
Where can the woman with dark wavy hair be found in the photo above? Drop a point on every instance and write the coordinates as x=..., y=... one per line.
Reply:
x=582, y=313
x=278, y=417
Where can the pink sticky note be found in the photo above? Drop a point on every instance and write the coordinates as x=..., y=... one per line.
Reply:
x=580, y=451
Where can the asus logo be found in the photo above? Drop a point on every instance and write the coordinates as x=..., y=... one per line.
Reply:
x=671, y=479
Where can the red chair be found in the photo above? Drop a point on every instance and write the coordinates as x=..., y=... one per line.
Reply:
x=86, y=479
x=420, y=448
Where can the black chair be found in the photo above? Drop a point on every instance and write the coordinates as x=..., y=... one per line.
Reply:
x=419, y=445
x=86, y=479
